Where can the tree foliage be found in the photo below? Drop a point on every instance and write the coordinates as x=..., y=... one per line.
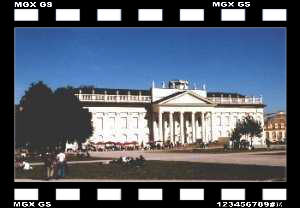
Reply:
x=249, y=128
x=47, y=118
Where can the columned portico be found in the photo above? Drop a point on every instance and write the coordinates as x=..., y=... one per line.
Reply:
x=188, y=124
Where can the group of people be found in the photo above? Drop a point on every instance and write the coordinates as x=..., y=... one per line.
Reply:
x=55, y=165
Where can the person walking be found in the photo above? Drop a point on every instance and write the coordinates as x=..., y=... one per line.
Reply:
x=47, y=163
x=61, y=164
x=53, y=164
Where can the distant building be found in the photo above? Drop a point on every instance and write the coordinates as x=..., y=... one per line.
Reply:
x=275, y=127
x=173, y=113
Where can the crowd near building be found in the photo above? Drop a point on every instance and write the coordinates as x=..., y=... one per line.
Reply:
x=275, y=127
x=173, y=112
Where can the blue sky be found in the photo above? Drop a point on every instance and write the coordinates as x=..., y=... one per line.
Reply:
x=251, y=61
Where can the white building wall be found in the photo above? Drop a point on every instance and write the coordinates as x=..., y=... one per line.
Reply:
x=109, y=125
x=232, y=113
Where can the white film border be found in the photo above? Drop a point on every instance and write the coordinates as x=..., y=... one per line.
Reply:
x=191, y=194
x=233, y=194
x=67, y=194
x=108, y=194
x=26, y=15
x=67, y=14
x=26, y=194
x=274, y=194
x=150, y=194
x=233, y=14
x=109, y=15
x=112, y=194
x=191, y=14
x=150, y=15
x=274, y=14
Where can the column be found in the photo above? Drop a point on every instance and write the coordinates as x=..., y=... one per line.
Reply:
x=196, y=127
x=193, y=127
x=153, y=125
x=211, y=126
x=160, y=125
x=205, y=137
x=202, y=126
x=181, y=128
x=171, y=126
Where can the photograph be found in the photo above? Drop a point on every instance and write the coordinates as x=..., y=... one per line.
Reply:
x=144, y=104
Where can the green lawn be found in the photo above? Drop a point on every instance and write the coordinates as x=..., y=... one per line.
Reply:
x=165, y=170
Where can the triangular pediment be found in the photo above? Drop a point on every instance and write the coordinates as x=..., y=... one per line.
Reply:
x=185, y=98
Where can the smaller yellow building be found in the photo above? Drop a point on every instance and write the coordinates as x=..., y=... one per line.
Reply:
x=275, y=127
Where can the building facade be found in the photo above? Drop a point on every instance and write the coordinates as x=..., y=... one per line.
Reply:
x=173, y=113
x=275, y=127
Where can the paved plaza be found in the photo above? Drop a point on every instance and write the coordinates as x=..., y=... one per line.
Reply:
x=246, y=158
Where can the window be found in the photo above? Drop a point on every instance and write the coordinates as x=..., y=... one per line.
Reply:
x=270, y=126
x=235, y=119
x=227, y=120
x=100, y=122
x=123, y=123
x=219, y=121
x=276, y=125
x=135, y=122
x=112, y=122
x=274, y=135
x=282, y=125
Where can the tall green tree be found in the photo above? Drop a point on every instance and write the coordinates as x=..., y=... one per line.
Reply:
x=249, y=128
x=35, y=117
x=44, y=118
x=253, y=128
x=74, y=121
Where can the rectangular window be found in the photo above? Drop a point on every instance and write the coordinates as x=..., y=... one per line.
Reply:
x=135, y=122
x=123, y=123
x=112, y=122
x=219, y=121
x=100, y=123
x=235, y=119
x=276, y=125
x=227, y=121
x=282, y=125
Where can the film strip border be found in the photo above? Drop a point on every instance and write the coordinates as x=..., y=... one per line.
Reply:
x=152, y=194
x=153, y=15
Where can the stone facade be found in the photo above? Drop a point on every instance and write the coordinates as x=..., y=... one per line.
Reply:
x=175, y=113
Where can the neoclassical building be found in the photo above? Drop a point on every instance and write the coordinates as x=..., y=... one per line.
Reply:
x=173, y=112
x=275, y=127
